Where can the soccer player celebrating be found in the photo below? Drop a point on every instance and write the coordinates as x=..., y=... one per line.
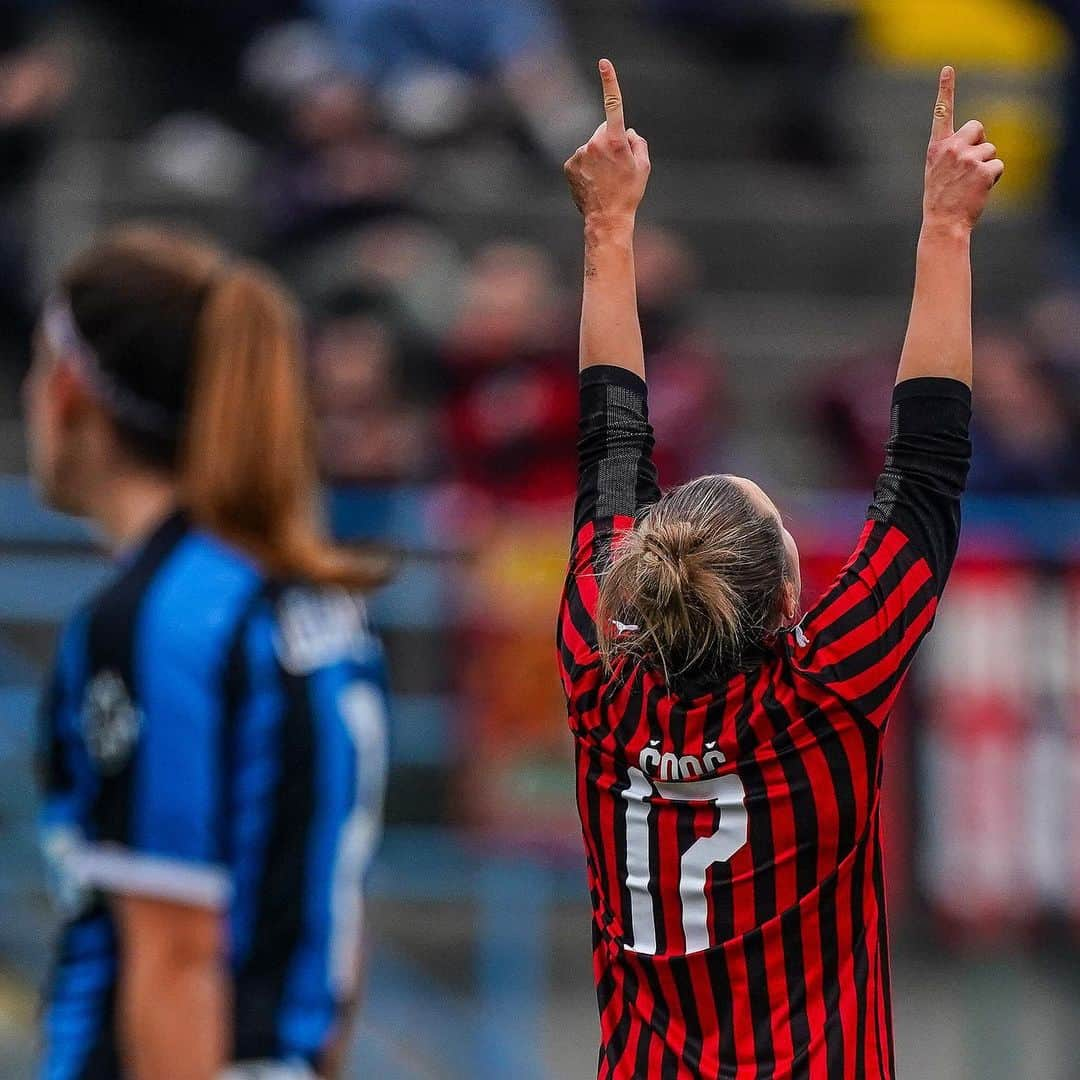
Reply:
x=729, y=755
x=213, y=746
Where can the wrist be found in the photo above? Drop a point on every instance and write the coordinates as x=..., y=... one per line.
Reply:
x=945, y=230
x=608, y=228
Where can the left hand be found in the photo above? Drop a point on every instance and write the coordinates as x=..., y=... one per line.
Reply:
x=609, y=174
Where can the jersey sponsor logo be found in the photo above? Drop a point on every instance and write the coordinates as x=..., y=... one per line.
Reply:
x=317, y=629
x=110, y=722
x=669, y=766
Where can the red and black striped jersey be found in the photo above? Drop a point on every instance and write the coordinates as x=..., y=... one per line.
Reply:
x=732, y=831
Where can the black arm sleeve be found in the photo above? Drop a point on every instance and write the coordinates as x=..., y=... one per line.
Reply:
x=926, y=467
x=616, y=474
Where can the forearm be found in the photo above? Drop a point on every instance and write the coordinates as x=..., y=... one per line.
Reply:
x=938, y=343
x=173, y=1018
x=610, y=327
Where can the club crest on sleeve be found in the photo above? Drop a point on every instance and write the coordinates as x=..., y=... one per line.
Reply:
x=110, y=722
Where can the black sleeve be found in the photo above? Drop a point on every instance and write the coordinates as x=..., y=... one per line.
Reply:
x=926, y=467
x=616, y=474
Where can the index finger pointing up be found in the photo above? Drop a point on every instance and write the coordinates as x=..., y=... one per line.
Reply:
x=945, y=109
x=613, y=105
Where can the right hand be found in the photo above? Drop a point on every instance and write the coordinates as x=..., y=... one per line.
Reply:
x=961, y=166
x=608, y=175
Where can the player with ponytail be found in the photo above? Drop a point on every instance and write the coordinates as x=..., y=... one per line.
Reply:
x=729, y=753
x=212, y=750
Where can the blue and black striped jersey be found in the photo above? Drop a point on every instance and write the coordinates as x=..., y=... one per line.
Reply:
x=214, y=737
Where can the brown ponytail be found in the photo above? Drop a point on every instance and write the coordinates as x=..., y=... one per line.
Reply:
x=696, y=585
x=218, y=345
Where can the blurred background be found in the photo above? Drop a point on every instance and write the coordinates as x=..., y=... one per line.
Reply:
x=398, y=162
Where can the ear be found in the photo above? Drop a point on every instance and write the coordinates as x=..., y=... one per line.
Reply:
x=71, y=398
x=789, y=604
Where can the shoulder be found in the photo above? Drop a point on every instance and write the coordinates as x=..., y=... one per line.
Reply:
x=176, y=608
x=200, y=595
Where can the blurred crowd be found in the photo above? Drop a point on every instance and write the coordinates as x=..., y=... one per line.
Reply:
x=442, y=351
x=431, y=362
x=1026, y=429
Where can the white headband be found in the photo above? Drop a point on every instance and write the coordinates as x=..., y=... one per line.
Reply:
x=128, y=407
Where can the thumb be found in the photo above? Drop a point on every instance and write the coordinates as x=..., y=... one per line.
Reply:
x=639, y=148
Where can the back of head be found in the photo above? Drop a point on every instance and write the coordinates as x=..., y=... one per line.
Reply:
x=697, y=586
x=200, y=363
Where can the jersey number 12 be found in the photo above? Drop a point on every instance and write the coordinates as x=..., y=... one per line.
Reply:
x=729, y=795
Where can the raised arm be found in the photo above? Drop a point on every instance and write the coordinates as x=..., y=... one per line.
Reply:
x=926, y=461
x=862, y=636
x=607, y=177
x=616, y=475
x=961, y=171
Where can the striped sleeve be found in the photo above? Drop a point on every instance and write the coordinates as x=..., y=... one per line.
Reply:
x=861, y=638
x=616, y=479
x=157, y=816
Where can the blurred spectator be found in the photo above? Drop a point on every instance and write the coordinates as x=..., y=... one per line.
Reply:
x=1026, y=435
x=1055, y=323
x=805, y=44
x=420, y=267
x=368, y=430
x=35, y=79
x=183, y=60
x=511, y=371
x=688, y=401
x=510, y=363
x=428, y=58
x=1026, y=441
x=329, y=165
x=852, y=413
x=188, y=52
x=1068, y=170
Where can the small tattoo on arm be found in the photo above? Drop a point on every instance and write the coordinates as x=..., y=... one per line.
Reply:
x=591, y=271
